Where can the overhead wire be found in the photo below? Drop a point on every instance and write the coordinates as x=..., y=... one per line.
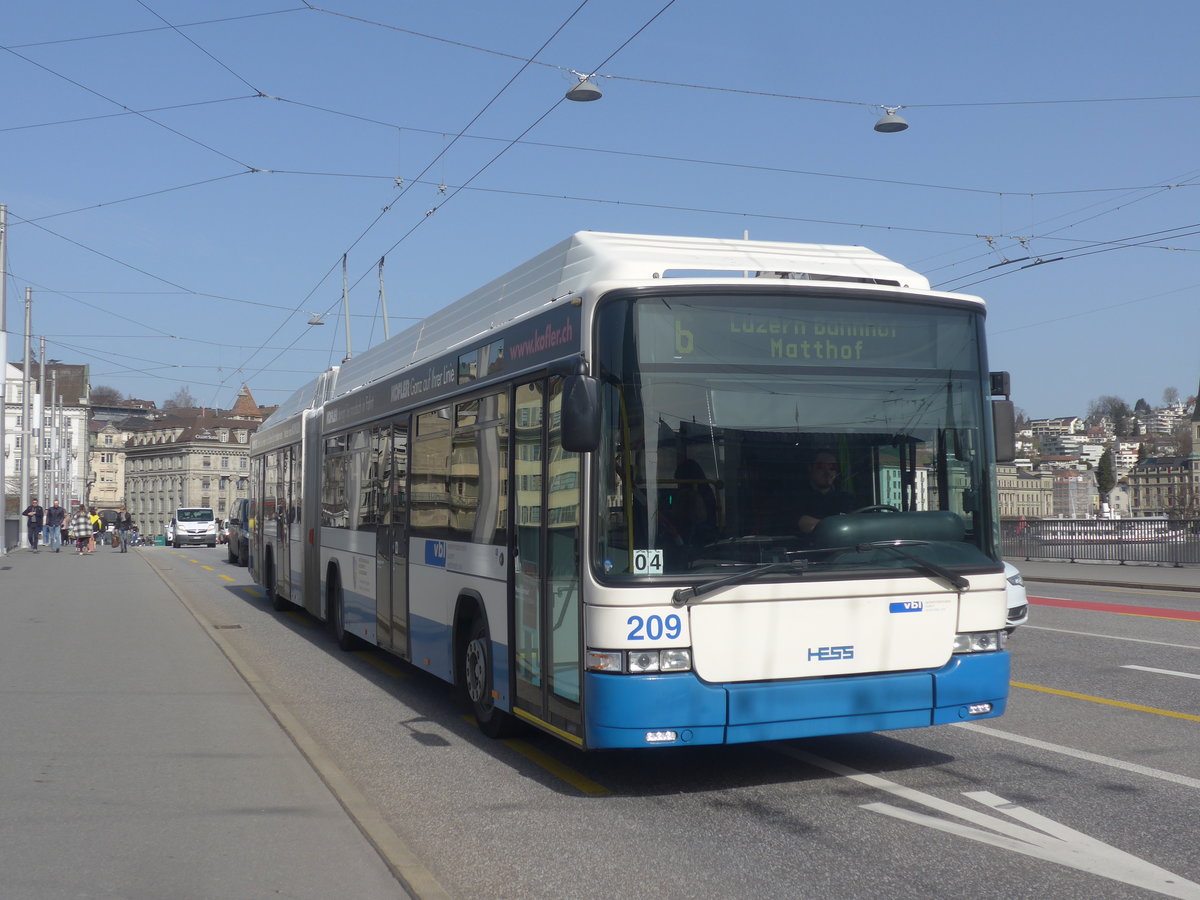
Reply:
x=430, y=165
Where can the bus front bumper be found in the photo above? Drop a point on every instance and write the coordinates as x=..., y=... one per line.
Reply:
x=625, y=711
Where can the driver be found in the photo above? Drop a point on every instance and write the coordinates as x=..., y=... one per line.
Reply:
x=820, y=497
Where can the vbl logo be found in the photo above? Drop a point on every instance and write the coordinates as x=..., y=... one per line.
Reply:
x=824, y=654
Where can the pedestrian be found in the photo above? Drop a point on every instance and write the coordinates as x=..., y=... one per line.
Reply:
x=36, y=516
x=81, y=528
x=97, y=526
x=124, y=525
x=55, y=517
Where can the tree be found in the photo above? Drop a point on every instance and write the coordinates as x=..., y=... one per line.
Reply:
x=1106, y=475
x=1170, y=396
x=1022, y=419
x=103, y=395
x=1141, y=406
x=181, y=399
x=1115, y=410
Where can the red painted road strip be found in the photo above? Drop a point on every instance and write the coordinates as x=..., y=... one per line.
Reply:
x=1153, y=612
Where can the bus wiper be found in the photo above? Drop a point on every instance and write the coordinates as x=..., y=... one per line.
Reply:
x=957, y=581
x=683, y=596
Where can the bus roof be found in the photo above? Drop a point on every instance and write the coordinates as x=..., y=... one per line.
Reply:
x=587, y=257
x=583, y=259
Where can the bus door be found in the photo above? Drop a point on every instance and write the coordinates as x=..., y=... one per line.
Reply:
x=392, y=541
x=306, y=527
x=283, y=519
x=544, y=585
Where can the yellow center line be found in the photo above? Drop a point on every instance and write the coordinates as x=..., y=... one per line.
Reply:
x=1187, y=717
x=252, y=591
x=226, y=577
x=210, y=568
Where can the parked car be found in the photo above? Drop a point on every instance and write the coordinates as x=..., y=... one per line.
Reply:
x=237, y=543
x=171, y=533
x=1018, y=600
x=194, y=525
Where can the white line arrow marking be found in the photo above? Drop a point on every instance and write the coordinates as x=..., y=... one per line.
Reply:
x=1045, y=839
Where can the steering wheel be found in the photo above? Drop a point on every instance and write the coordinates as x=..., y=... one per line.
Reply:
x=879, y=507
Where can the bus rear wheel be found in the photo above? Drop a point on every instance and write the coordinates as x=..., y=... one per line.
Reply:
x=337, y=615
x=477, y=683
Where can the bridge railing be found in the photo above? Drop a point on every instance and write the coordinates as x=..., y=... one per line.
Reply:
x=1173, y=542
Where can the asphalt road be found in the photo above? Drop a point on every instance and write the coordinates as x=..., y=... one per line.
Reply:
x=1086, y=788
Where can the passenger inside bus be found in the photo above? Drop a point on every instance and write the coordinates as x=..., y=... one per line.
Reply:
x=689, y=510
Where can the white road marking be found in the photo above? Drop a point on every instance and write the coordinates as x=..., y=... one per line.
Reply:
x=1044, y=838
x=1162, y=671
x=1111, y=637
x=1084, y=755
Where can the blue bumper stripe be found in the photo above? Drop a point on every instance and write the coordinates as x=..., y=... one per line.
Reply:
x=621, y=709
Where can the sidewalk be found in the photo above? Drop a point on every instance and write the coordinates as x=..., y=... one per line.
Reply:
x=138, y=763
x=1108, y=574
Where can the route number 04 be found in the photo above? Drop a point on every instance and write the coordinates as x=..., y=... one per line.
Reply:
x=647, y=562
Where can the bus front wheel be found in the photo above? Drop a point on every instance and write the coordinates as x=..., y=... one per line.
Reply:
x=477, y=683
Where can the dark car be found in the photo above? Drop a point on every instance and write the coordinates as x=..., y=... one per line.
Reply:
x=238, y=544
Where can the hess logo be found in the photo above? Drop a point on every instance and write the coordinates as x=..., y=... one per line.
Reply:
x=825, y=654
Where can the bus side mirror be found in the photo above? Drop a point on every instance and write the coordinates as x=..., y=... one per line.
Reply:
x=580, y=413
x=1004, y=428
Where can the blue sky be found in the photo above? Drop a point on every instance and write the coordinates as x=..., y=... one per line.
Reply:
x=183, y=178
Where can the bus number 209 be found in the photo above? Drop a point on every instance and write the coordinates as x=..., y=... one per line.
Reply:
x=654, y=628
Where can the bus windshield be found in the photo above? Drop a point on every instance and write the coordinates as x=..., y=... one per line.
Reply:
x=760, y=427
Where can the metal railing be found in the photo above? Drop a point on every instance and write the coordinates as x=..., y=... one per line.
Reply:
x=1172, y=542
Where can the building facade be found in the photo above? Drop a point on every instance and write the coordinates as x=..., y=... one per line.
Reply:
x=57, y=444
x=1024, y=493
x=188, y=458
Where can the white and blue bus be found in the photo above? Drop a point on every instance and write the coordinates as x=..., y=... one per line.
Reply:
x=659, y=491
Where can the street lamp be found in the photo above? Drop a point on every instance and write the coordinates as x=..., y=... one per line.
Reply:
x=890, y=123
x=585, y=90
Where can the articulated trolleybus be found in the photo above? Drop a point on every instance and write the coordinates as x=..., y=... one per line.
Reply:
x=658, y=491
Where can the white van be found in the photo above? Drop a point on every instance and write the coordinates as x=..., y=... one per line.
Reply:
x=194, y=525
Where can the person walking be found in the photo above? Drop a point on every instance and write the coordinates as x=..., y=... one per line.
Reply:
x=81, y=528
x=36, y=516
x=55, y=516
x=124, y=524
x=97, y=526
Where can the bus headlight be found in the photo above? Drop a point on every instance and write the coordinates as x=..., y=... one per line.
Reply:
x=980, y=641
x=640, y=662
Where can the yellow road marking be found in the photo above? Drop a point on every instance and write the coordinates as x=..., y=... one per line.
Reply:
x=252, y=591
x=302, y=618
x=210, y=568
x=577, y=780
x=386, y=668
x=226, y=577
x=1187, y=717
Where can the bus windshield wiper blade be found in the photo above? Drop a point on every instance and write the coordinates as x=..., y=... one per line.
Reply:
x=683, y=596
x=957, y=581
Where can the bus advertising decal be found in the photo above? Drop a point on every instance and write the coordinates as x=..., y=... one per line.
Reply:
x=538, y=341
